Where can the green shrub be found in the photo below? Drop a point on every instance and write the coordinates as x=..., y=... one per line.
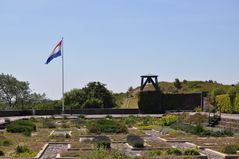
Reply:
x=168, y=120
x=22, y=149
x=135, y=141
x=174, y=151
x=191, y=152
x=7, y=143
x=224, y=104
x=236, y=104
x=200, y=130
x=102, y=142
x=106, y=126
x=154, y=153
x=21, y=126
x=198, y=109
x=1, y=153
x=230, y=149
x=27, y=133
x=131, y=120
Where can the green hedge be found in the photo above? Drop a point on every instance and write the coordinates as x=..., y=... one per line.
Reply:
x=223, y=102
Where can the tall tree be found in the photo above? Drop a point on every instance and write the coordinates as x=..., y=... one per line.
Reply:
x=177, y=83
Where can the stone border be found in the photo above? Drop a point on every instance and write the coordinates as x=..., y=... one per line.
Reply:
x=226, y=156
x=42, y=151
x=52, y=132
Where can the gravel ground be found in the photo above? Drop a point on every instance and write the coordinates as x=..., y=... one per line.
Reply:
x=52, y=150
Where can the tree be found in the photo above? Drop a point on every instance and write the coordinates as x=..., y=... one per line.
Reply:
x=12, y=91
x=232, y=92
x=99, y=91
x=95, y=94
x=177, y=84
x=215, y=92
x=75, y=98
x=17, y=94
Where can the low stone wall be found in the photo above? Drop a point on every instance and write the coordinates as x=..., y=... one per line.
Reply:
x=73, y=111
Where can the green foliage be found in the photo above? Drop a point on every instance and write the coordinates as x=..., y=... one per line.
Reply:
x=154, y=153
x=7, y=143
x=1, y=153
x=93, y=103
x=22, y=149
x=17, y=94
x=177, y=83
x=236, y=104
x=174, y=151
x=191, y=152
x=200, y=130
x=130, y=120
x=232, y=93
x=168, y=120
x=106, y=126
x=198, y=109
x=95, y=94
x=224, y=104
x=102, y=142
x=215, y=92
x=230, y=149
x=135, y=141
x=22, y=126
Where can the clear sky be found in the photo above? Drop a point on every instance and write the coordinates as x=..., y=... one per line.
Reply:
x=116, y=41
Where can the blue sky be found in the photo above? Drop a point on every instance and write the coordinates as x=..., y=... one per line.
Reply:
x=116, y=41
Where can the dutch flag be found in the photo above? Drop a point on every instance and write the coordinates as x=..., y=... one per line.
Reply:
x=55, y=53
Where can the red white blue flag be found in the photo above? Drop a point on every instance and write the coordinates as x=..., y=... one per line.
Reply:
x=55, y=53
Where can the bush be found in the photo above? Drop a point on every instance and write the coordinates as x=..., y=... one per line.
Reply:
x=130, y=120
x=1, y=153
x=200, y=130
x=154, y=153
x=224, y=104
x=230, y=149
x=174, y=151
x=102, y=142
x=236, y=104
x=7, y=143
x=22, y=149
x=168, y=120
x=21, y=126
x=191, y=152
x=135, y=141
x=106, y=126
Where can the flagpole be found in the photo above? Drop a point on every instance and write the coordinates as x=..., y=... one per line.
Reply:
x=63, y=99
